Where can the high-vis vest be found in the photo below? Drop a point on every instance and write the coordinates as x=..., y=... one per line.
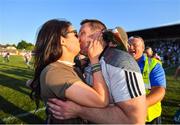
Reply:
x=154, y=111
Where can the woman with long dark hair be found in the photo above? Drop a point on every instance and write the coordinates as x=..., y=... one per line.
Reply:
x=56, y=47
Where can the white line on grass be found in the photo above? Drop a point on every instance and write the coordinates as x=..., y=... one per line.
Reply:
x=21, y=115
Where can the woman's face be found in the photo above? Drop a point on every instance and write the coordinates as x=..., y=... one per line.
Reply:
x=72, y=41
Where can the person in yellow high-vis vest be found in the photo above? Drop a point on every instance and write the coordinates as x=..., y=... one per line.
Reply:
x=153, y=76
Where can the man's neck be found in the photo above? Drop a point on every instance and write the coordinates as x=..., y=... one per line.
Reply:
x=137, y=60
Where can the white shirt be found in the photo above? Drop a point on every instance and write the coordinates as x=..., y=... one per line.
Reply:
x=123, y=84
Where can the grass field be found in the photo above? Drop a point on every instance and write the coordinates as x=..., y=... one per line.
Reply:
x=17, y=107
x=15, y=103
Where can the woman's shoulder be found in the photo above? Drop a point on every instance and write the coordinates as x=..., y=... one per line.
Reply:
x=58, y=70
x=59, y=74
x=49, y=68
x=57, y=66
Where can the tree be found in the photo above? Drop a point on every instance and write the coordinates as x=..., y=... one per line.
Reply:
x=24, y=45
x=30, y=46
x=14, y=45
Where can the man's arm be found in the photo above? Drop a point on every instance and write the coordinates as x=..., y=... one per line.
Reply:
x=156, y=95
x=132, y=111
x=158, y=85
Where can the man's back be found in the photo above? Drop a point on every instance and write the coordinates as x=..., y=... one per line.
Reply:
x=121, y=59
x=122, y=75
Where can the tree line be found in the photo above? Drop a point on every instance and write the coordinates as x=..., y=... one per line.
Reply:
x=23, y=45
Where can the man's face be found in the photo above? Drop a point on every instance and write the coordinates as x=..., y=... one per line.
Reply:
x=85, y=37
x=136, y=48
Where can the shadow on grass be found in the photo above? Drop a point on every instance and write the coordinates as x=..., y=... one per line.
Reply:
x=13, y=83
x=14, y=77
x=8, y=107
x=21, y=71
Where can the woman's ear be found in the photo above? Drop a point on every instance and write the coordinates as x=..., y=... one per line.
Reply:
x=62, y=41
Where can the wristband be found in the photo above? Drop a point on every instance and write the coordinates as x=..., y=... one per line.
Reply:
x=96, y=67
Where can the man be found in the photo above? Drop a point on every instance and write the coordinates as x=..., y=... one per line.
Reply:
x=154, y=79
x=123, y=78
x=149, y=52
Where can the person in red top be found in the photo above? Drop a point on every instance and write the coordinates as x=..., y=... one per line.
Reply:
x=149, y=52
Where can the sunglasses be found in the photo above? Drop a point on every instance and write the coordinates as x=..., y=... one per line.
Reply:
x=73, y=31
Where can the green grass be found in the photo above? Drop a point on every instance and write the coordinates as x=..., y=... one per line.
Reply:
x=171, y=102
x=14, y=97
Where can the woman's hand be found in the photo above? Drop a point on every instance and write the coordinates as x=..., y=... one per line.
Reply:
x=95, y=48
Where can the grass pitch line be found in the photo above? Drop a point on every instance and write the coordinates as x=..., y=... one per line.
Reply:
x=22, y=115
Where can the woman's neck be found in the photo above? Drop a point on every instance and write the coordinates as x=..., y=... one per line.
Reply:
x=67, y=57
x=66, y=63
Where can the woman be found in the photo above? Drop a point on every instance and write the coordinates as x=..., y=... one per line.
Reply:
x=56, y=47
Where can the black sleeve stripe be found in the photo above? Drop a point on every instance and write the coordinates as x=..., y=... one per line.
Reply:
x=133, y=84
x=127, y=79
x=137, y=86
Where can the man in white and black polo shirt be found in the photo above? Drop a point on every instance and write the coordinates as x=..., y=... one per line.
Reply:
x=123, y=78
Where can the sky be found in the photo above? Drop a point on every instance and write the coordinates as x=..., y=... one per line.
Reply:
x=21, y=19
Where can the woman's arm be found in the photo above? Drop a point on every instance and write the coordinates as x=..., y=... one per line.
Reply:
x=97, y=96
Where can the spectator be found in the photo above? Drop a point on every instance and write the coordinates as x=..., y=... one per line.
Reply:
x=27, y=58
x=156, y=56
x=154, y=79
x=6, y=57
x=149, y=52
x=168, y=50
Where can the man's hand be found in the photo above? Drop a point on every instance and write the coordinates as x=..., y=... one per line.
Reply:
x=63, y=109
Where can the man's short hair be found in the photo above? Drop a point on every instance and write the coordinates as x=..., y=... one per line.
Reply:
x=131, y=37
x=94, y=24
x=138, y=37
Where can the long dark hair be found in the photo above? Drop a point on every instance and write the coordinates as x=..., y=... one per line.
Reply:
x=48, y=49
